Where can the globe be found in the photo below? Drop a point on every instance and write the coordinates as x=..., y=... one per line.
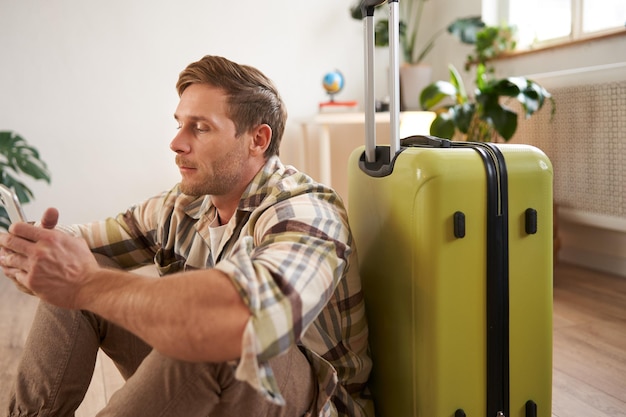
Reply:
x=333, y=82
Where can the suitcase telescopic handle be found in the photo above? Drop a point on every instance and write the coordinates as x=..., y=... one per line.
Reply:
x=367, y=7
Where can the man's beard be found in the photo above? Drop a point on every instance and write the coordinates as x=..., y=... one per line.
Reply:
x=225, y=176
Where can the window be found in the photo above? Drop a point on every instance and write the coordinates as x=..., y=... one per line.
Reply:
x=544, y=21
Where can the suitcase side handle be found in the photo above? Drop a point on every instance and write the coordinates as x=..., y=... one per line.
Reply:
x=426, y=140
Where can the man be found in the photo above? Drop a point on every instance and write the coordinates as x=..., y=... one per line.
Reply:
x=258, y=310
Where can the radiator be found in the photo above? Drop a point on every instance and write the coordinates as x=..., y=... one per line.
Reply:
x=586, y=142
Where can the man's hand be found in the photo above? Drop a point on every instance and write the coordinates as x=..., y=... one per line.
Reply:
x=48, y=221
x=48, y=263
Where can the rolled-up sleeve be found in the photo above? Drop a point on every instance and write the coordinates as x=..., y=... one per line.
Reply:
x=132, y=238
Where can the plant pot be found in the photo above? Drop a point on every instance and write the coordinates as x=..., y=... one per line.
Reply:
x=413, y=79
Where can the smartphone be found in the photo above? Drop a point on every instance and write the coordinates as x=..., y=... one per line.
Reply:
x=9, y=200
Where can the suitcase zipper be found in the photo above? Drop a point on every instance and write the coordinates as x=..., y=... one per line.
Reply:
x=497, y=279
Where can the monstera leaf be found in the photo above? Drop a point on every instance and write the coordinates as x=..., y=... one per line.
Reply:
x=18, y=159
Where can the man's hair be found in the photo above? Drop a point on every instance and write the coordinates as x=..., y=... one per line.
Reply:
x=252, y=98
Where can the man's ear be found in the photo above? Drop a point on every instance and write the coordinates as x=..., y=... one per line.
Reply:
x=261, y=138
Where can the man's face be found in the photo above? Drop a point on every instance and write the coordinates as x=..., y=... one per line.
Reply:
x=211, y=159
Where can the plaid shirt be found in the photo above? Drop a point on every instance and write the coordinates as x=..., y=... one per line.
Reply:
x=288, y=250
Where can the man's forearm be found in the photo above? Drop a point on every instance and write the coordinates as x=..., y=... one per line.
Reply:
x=194, y=316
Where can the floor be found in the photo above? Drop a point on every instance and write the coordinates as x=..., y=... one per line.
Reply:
x=589, y=372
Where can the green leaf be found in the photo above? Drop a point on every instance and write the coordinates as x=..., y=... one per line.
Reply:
x=427, y=48
x=504, y=120
x=356, y=12
x=457, y=82
x=34, y=168
x=21, y=157
x=463, y=115
x=434, y=93
x=443, y=126
x=481, y=77
x=511, y=86
x=4, y=219
x=381, y=33
x=24, y=194
x=466, y=28
x=533, y=97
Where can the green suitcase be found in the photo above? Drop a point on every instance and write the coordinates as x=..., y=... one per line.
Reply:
x=455, y=253
x=457, y=282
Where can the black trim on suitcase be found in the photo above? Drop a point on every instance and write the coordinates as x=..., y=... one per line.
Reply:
x=383, y=162
x=381, y=166
x=531, y=408
x=530, y=216
x=459, y=224
x=497, y=280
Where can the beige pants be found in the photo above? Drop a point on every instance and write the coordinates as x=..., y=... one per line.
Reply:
x=59, y=359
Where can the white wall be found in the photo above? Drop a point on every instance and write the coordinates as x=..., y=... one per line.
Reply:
x=91, y=83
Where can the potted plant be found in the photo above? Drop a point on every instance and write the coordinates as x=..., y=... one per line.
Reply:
x=414, y=73
x=18, y=158
x=483, y=115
